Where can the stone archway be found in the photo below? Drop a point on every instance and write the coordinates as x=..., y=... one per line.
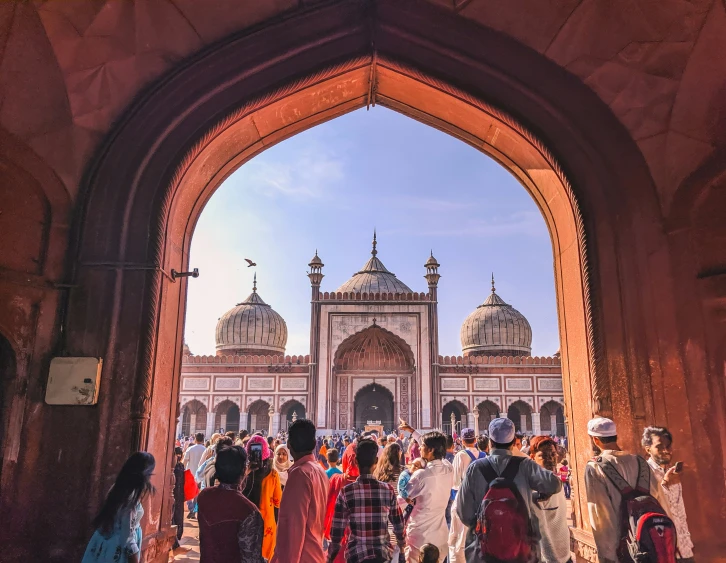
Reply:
x=552, y=418
x=194, y=418
x=160, y=165
x=374, y=403
x=459, y=410
x=227, y=416
x=258, y=416
x=520, y=413
x=291, y=411
x=488, y=411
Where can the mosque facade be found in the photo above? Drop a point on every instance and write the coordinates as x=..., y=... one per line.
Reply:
x=374, y=359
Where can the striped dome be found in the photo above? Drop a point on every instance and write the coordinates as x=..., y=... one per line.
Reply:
x=373, y=277
x=252, y=327
x=496, y=329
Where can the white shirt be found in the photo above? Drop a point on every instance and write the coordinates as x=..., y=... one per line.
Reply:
x=431, y=489
x=676, y=510
x=462, y=460
x=192, y=457
x=550, y=516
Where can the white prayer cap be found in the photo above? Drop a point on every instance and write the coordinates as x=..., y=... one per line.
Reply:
x=601, y=428
x=501, y=430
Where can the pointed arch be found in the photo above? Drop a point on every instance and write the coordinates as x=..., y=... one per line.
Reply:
x=374, y=349
x=520, y=413
x=552, y=418
x=258, y=416
x=194, y=418
x=374, y=403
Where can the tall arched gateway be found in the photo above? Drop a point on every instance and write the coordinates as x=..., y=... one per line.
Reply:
x=626, y=279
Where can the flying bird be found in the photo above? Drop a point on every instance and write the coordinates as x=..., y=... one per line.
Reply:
x=250, y=262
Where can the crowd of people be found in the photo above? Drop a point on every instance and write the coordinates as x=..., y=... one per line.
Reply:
x=404, y=498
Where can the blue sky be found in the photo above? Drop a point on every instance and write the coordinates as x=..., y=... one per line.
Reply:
x=327, y=189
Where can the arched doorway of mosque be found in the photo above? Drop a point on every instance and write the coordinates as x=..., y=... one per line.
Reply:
x=7, y=376
x=194, y=418
x=258, y=417
x=521, y=414
x=373, y=404
x=597, y=164
x=488, y=411
x=453, y=417
x=290, y=412
x=552, y=418
x=227, y=417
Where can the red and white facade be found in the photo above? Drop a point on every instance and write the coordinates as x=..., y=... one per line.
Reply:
x=374, y=358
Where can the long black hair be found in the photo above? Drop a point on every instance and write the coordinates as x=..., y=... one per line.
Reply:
x=132, y=484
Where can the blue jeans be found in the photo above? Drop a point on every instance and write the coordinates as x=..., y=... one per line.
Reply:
x=568, y=489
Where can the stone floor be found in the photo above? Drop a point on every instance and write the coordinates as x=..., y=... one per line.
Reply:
x=189, y=539
x=191, y=534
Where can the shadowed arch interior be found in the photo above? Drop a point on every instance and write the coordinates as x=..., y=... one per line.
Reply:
x=258, y=416
x=374, y=404
x=194, y=418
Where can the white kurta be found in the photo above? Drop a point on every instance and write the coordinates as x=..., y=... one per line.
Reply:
x=457, y=531
x=431, y=489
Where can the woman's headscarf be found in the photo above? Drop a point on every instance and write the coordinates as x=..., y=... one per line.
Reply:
x=282, y=468
x=266, y=453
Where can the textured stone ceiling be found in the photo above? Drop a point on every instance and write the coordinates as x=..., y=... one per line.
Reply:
x=68, y=68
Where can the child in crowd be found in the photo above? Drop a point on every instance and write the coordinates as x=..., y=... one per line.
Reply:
x=333, y=457
x=405, y=477
x=429, y=554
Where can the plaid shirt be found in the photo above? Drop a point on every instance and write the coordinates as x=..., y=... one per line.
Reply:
x=366, y=507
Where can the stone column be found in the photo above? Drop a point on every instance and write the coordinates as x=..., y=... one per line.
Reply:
x=275, y=423
x=536, y=427
x=223, y=422
x=471, y=421
x=211, y=416
x=243, y=416
x=553, y=424
x=475, y=414
x=523, y=422
x=271, y=414
x=179, y=425
x=192, y=423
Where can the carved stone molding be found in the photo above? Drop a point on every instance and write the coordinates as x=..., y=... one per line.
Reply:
x=582, y=544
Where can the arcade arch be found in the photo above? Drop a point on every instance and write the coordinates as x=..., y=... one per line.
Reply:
x=291, y=411
x=258, y=416
x=521, y=413
x=459, y=412
x=488, y=411
x=194, y=418
x=227, y=417
x=552, y=418
x=156, y=171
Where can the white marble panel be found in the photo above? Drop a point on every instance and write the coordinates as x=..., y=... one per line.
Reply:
x=223, y=383
x=195, y=383
x=261, y=384
x=487, y=384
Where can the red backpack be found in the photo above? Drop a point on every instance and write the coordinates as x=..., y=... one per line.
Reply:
x=503, y=527
x=647, y=534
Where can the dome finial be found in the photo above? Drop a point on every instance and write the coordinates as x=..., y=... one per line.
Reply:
x=493, y=289
x=254, y=284
x=374, y=251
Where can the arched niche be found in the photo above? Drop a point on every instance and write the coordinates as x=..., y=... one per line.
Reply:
x=552, y=418
x=194, y=418
x=459, y=410
x=488, y=411
x=520, y=412
x=258, y=416
x=290, y=411
x=227, y=416
x=374, y=403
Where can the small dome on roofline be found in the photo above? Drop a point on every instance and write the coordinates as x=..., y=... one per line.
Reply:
x=496, y=328
x=373, y=277
x=251, y=327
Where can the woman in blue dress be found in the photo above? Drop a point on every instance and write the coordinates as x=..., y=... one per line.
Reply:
x=117, y=538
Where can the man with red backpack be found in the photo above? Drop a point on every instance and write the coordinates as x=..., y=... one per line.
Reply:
x=495, y=501
x=625, y=503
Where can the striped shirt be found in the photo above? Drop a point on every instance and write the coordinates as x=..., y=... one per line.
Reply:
x=365, y=508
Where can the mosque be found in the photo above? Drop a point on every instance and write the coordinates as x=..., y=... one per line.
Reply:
x=374, y=358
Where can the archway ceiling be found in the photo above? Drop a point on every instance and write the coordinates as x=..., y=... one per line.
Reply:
x=68, y=69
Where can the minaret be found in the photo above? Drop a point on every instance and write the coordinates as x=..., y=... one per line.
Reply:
x=432, y=276
x=315, y=275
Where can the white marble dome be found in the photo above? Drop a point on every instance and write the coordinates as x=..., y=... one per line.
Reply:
x=496, y=328
x=373, y=277
x=251, y=327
